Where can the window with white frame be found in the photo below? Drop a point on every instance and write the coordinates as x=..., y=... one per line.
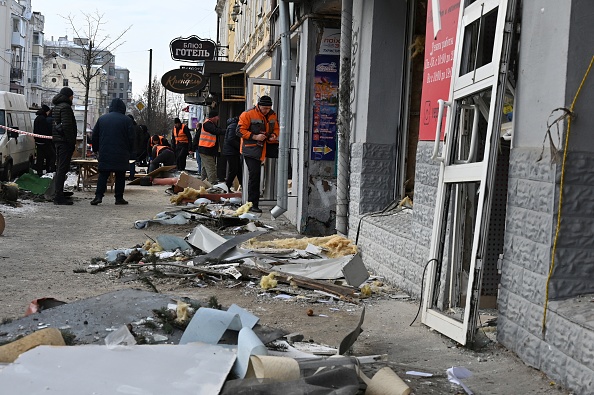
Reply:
x=36, y=66
x=37, y=38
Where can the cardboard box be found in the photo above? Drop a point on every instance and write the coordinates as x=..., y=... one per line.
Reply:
x=185, y=180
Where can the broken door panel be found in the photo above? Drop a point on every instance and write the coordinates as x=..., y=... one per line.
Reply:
x=452, y=285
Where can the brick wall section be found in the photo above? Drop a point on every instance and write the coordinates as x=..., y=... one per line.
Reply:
x=566, y=352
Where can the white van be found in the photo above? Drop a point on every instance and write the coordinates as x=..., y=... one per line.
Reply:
x=17, y=151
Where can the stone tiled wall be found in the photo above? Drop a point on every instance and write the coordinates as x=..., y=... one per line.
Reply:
x=574, y=268
x=372, y=177
x=566, y=351
x=395, y=246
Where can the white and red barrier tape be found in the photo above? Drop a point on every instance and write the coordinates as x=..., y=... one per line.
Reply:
x=40, y=136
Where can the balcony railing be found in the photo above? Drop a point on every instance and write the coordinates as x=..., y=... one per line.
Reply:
x=16, y=74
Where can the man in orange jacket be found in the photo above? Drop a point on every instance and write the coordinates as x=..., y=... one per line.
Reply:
x=180, y=142
x=259, y=131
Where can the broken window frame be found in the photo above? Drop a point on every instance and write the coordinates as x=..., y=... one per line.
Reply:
x=454, y=171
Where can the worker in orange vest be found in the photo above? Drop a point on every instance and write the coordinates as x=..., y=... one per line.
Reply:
x=162, y=154
x=208, y=145
x=259, y=130
x=180, y=142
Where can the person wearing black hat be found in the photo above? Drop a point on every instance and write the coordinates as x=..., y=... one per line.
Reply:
x=181, y=137
x=46, y=156
x=64, y=132
x=140, y=146
x=259, y=130
x=208, y=145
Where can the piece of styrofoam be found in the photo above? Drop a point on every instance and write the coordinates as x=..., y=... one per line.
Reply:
x=91, y=369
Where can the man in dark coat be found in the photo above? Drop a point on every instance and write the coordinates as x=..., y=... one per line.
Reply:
x=46, y=156
x=113, y=141
x=64, y=138
x=136, y=147
x=231, y=153
x=142, y=139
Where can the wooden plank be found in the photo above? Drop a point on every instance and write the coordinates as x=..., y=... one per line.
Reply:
x=344, y=293
x=153, y=173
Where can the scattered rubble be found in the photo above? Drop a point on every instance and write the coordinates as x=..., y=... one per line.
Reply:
x=238, y=351
x=228, y=247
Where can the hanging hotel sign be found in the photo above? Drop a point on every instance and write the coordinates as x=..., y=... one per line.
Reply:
x=192, y=49
x=183, y=81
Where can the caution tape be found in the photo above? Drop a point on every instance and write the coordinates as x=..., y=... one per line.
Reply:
x=39, y=136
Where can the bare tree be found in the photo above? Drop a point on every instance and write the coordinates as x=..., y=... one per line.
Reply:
x=165, y=107
x=96, y=50
x=176, y=104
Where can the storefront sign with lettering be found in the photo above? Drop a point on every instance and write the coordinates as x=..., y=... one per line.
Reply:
x=183, y=81
x=192, y=49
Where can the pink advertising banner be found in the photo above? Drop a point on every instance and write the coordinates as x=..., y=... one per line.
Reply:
x=439, y=58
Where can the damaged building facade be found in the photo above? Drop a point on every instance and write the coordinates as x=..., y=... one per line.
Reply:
x=507, y=82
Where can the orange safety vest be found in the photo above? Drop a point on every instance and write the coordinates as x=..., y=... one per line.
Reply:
x=161, y=148
x=207, y=140
x=180, y=137
x=160, y=141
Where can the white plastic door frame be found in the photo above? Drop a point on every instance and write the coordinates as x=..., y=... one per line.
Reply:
x=484, y=78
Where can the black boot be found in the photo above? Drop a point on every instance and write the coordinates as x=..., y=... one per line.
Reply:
x=96, y=201
x=63, y=202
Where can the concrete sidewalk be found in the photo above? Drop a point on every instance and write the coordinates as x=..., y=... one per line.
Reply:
x=65, y=239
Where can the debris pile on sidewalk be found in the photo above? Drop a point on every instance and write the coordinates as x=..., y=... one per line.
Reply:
x=329, y=265
x=213, y=206
x=219, y=351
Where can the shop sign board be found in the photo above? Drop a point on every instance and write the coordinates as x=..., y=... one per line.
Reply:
x=438, y=62
x=183, y=81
